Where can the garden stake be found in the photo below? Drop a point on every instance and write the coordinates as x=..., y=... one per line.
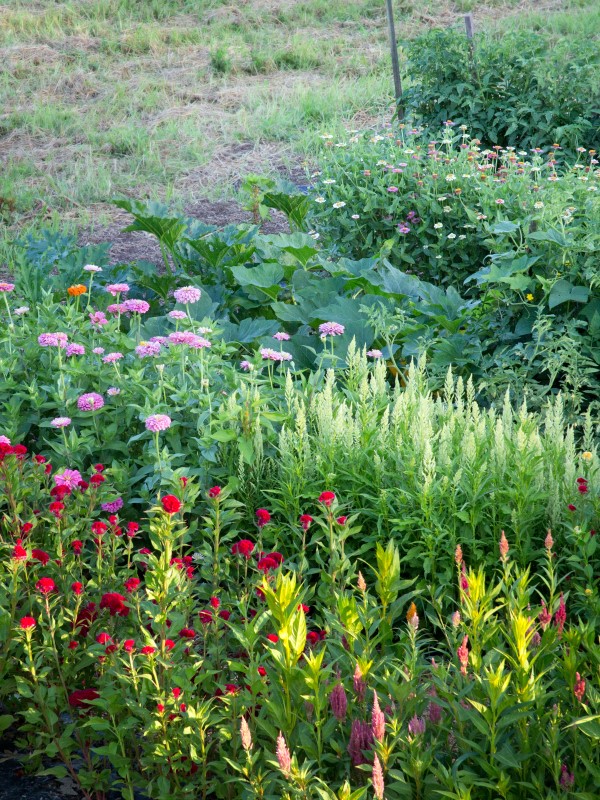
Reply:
x=395, y=64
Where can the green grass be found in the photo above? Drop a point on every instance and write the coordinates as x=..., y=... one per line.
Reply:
x=179, y=97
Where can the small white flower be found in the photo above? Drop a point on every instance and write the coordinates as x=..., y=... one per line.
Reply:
x=355, y=216
x=462, y=236
x=451, y=236
x=450, y=177
x=339, y=204
x=438, y=225
x=447, y=209
x=319, y=199
x=328, y=181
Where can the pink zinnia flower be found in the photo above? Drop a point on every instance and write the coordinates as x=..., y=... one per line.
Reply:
x=147, y=349
x=75, y=350
x=374, y=353
x=136, y=306
x=117, y=288
x=331, y=329
x=98, y=318
x=281, y=336
x=6, y=287
x=53, y=340
x=68, y=477
x=110, y=358
x=246, y=366
x=92, y=401
x=187, y=295
x=61, y=422
x=97, y=351
x=177, y=314
x=158, y=422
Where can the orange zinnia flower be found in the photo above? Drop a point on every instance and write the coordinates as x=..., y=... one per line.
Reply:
x=75, y=291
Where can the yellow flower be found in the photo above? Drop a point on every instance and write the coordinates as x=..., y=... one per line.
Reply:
x=529, y=297
x=587, y=456
x=412, y=610
x=75, y=291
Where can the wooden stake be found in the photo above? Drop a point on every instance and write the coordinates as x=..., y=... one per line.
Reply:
x=394, y=53
x=469, y=25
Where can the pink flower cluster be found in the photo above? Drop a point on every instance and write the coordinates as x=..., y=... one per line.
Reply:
x=275, y=355
x=157, y=422
x=117, y=288
x=53, y=340
x=148, y=349
x=331, y=329
x=92, y=401
x=136, y=306
x=187, y=295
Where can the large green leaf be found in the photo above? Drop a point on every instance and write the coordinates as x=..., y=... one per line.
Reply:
x=248, y=330
x=565, y=292
x=263, y=276
x=154, y=218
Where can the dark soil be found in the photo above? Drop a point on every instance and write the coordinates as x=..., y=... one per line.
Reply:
x=16, y=785
x=127, y=247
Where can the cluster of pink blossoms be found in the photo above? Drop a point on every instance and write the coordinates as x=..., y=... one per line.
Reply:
x=75, y=349
x=275, y=355
x=92, y=401
x=117, y=288
x=331, y=329
x=157, y=422
x=187, y=295
x=148, y=349
x=53, y=340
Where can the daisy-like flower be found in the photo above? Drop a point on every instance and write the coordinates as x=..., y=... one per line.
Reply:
x=339, y=204
x=92, y=268
x=6, y=287
x=18, y=312
x=451, y=236
x=148, y=349
x=331, y=329
x=110, y=358
x=438, y=225
x=374, y=353
x=281, y=336
x=319, y=199
x=246, y=366
x=136, y=306
x=113, y=391
x=68, y=477
x=177, y=314
x=75, y=349
x=97, y=351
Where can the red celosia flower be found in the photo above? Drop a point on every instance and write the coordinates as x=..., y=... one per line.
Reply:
x=205, y=616
x=160, y=708
x=83, y=485
x=81, y=697
x=272, y=637
x=262, y=672
x=544, y=617
x=99, y=528
x=103, y=638
x=60, y=492
x=19, y=553
x=215, y=491
x=341, y=520
x=312, y=637
x=20, y=451
x=582, y=488
x=176, y=692
x=243, y=548
x=187, y=633
x=304, y=608
x=56, y=508
x=169, y=644
x=41, y=556
x=129, y=645
x=99, y=467
x=327, y=498
x=115, y=603
x=224, y=614
x=305, y=520
x=26, y=527
x=112, y=648
x=571, y=507
x=276, y=557
x=48, y=469
x=39, y=459
x=45, y=585
x=132, y=529
x=97, y=479
x=171, y=504
x=579, y=687
x=77, y=587
x=73, y=645
x=267, y=563
x=27, y=623
x=260, y=594
x=85, y=617
x=560, y=617
x=214, y=602
x=232, y=688
x=148, y=650
x=131, y=584
x=581, y=480
x=77, y=546
x=263, y=517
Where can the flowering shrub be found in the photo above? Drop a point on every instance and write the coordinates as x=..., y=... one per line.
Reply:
x=251, y=664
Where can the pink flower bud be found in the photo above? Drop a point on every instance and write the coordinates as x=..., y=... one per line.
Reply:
x=377, y=779
x=548, y=541
x=338, y=702
x=503, y=547
x=377, y=720
x=245, y=735
x=283, y=755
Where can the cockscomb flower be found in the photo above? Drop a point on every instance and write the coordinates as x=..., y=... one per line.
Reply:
x=283, y=755
x=305, y=520
x=92, y=401
x=263, y=517
x=45, y=585
x=327, y=498
x=171, y=504
x=416, y=726
x=503, y=547
x=19, y=553
x=579, y=687
x=245, y=735
x=560, y=617
x=377, y=779
x=359, y=683
x=458, y=555
x=214, y=492
x=242, y=548
x=361, y=740
x=157, y=422
x=136, y=306
x=549, y=541
x=27, y=623
x=377, y=720
x=331, y=329
x=338, y=702
x=187, y=295
x=117, y=288
x=463, y=656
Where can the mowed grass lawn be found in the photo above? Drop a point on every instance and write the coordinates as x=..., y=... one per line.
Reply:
x=178, y=100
